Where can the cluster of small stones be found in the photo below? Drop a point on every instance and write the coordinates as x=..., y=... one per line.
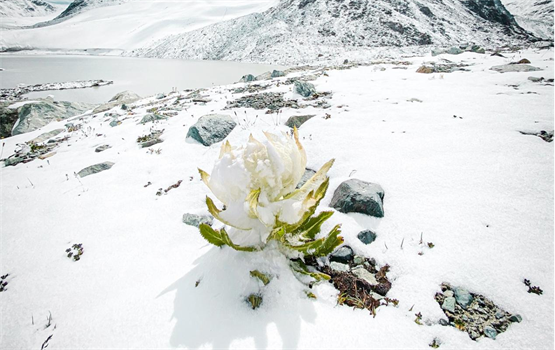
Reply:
x=75, y=252
x=441, y=67
x=473, y=313
x=150, y=139
x=266, y=100
x=4, y=282
x=31, y=150
x=251, y=89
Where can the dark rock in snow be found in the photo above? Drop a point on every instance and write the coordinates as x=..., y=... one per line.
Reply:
x=342, y=255
x=211, y=128
x=535, y=79
x=515, y=318
x=490, y=332
x=13, y=161
x=150, y=142
x=196, y=220
x=34, y=115
x=93, y=169
x=356, y=196
x=298, y=120
x=247, y=78
x=304, y=89
x=277, y=74
x=463, y=297
x=366, y=236
x=102, y=148
x=8, y=117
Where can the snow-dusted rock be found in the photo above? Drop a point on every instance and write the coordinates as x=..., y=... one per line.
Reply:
x=8, y=117
x=34, y=115
x=25, y=8
x=247, y=78
x=47, y=135
x=124, y=97
x=506, y=68
x=356, y=196
x=304, y=89
x=342, y=255
x=102, y=148
x=297, y=120
x=211, y=128
x=196, y=220
x=366, y=236
x=94, y=169
x=362, y=273
x=277, y=74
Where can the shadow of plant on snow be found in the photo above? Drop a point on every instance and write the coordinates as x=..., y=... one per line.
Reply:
x=210, y=307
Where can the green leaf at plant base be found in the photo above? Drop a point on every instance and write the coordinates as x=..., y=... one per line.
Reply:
x=216, y=213
x=211, y=235
x=227, y=240
x=310, y=228
x=220, y=238
x=300, y=267
x=319, y=247
x=262, y=277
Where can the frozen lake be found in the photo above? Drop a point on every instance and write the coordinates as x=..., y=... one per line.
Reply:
x=143, y=76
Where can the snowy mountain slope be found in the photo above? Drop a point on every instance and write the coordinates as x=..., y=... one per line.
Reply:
x=25, y=8
x=297, y=31
x=535, y=16
x=130, y=25
x=79, y=6
x=473, y=185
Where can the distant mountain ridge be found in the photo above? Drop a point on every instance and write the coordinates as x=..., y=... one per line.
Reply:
x=535, y=16
x=25, y=8
x=78, y=6
x=295, y=31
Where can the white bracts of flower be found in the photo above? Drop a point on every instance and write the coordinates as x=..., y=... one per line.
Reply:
x=256, y=183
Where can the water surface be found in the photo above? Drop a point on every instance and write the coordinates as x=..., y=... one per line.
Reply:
x=144, y=76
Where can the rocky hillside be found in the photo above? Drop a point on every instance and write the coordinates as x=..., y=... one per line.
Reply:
x=25, y=8
x=78, y=6
x=536, y=16
x=297, y=31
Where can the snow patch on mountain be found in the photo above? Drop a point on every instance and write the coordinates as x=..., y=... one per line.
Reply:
x=298, y=31
x=130, y=25
x=25, y=8
x=536, y=16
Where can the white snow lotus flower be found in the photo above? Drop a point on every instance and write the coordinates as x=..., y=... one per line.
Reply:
x=257, y=185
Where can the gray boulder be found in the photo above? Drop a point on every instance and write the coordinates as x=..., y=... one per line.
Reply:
x=152, y=117
x=297, y=120
x=8, y=117
x=13, y=161
x=196, y=220
x=454, y=51
x=247, y=78
x=449, y=304
x=366, y=236
x=102, y=148
x=35, y=115
x=356, y=196
x=124, y=97
x=507, y=68
x=211, y=128
x=93, y=169
x=47, y=135
x=304, y=89
x=277, y=74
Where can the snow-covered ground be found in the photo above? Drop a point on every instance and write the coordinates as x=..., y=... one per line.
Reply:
x=454, y=167
x=130, y=25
